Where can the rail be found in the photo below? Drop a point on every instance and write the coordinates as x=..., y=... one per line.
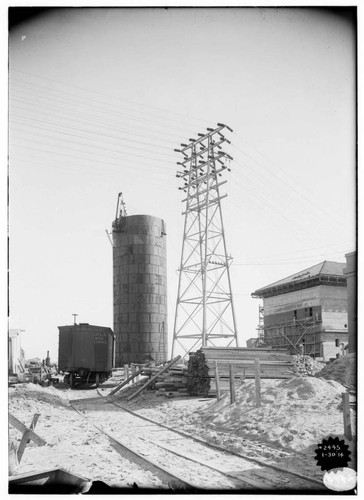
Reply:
x=232, y=470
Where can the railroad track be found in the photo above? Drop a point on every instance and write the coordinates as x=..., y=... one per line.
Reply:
x=184, y=462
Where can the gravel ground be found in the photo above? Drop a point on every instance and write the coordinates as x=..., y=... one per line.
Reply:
x=295, y=416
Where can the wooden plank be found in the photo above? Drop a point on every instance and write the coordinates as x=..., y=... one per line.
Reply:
x=23, y=428
x=25, y=439
x=164, y=369
x=21, y=365
x=118, y=387
x=126, y=372
x=209, y=354
x=346, y=415
x=249, y=362
x=249, y=370
x=242, y=349
x=245, y=355
x=232, y=384
x=258, y=400
x=218, y=393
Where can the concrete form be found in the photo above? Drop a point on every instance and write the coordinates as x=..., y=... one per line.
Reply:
x=140, y=289
x=307, y=312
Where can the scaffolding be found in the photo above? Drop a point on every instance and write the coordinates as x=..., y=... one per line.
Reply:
x=298, y=336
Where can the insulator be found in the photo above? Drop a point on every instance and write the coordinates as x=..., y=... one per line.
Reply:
x=229, y=169
x=231, y=130
x=184, y=145
x=210, y=129
x=184, y=191
x=192, y=140
x=177, y=150
x=179, y=163
x=186, y=171
x=220, y=125
x=220, y=175
x=201, y=135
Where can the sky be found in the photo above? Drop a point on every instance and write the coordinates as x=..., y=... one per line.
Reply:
x=100, y=97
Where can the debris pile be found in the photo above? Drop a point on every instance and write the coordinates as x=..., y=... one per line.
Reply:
x=294, y=414
x=306, y=366
x=343, y=370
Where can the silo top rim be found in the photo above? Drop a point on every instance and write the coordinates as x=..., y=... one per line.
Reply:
x=141, y=216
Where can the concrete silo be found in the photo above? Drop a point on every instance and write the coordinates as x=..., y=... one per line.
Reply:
x=139, y=289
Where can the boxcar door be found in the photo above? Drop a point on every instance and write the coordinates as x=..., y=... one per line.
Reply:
x=101, y=351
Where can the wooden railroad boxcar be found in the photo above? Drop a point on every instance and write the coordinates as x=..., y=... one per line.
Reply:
x=86, y=352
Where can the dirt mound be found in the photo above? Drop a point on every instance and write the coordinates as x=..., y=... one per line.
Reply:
x=35, y=391
x=307, y=366
x=342, y=370
x=295, y=413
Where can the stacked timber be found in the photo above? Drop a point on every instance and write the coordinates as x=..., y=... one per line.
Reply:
x=198, y=374
x=172, y=383
x=274, y=364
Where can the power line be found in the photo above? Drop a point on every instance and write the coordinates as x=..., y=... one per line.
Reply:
x=282, y=181
x=104, y=95
x=92, y=146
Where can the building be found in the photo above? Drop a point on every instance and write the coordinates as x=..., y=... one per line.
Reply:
x=16, y=360
x=307, y=312
x=351, y=279
x=253, y=342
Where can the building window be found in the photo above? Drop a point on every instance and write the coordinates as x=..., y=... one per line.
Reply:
x=308, y=312
x=337, y=343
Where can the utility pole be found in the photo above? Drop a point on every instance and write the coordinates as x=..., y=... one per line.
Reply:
x=204, y=310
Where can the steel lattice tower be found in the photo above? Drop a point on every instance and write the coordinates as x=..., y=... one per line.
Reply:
x=204, y=311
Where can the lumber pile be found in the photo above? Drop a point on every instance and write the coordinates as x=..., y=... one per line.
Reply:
x=275, y=364
x=172, y=383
